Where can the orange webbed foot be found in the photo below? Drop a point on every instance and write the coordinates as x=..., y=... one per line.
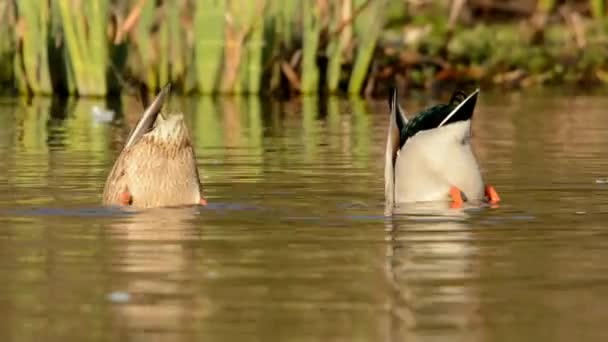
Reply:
x=491, y=194
x=125, y=198
x=202, y=202
x=457, y=197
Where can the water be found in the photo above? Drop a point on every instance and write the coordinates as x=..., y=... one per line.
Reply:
x=294, y=245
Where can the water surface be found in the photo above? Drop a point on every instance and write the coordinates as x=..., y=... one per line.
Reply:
x=294, y=245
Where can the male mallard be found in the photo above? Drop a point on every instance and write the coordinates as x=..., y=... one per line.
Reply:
x=429, y=158
x=157, y=166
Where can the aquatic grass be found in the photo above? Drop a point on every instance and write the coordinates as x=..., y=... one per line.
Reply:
x=164, y=49
x=598, y=8
x=254, y=49
x=545, y=5
x=147, y=64
x=368, y=27
x=342, y=11
x=278, y=39
x=62, y=73
x=288, y=13
x=32, y=63
x=208, y=44
x=244, y=44
x=311, y=31
x=84, y=27
x=177, y=45
x=161, y=53
x=8, y=59
x=263, y=46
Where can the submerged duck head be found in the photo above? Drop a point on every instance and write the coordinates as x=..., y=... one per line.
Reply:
x=157, y=166
x=429, y=158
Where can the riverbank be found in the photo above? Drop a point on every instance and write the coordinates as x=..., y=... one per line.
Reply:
x=349, y=46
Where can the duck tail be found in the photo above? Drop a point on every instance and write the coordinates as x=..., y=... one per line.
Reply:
x=465, y=106
x=146, y=122
x=397, y=122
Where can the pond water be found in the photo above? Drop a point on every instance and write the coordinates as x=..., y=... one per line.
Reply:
x=294, y=245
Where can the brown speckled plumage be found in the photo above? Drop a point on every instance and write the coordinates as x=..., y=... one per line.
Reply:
x=157, y=167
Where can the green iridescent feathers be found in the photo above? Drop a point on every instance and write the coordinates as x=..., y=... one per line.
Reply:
x=459, y=108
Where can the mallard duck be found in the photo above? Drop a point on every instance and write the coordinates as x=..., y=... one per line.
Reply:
x=157, y=166
x=429, y=158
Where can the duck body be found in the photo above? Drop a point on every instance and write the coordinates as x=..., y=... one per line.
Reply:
x=157, y=167
x=435, y=160
x=430, y=156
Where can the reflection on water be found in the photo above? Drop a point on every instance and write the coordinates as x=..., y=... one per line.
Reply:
x=161, y=300
x=294, y=244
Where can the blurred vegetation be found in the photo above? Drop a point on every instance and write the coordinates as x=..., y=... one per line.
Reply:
x=96, y=47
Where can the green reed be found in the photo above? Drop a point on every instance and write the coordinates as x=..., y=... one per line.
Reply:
x=255, y=44
x=176, y=58
x=244, y=44
x=312, y=26
x=342, y=11
x=84, y=27
x=7, y=45
x=368, y=28
x=226, y=47
x=204, y=46
x=209, y=43
x=545, y=5
x=598, y=8
x=148, y=64
x=32, y=63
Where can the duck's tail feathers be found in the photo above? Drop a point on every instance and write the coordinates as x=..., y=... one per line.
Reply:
x=146, y=122
x=395, y=107
x=465, y=108
x=397, y=122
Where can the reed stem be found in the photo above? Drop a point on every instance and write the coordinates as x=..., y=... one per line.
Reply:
x=209, y=43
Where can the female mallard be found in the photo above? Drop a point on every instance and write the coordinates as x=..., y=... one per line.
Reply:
x=157, y=166
x=429, y=158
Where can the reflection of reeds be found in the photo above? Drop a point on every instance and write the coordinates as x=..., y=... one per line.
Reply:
x=207, y=128
x=360, y=134
x=310, y=110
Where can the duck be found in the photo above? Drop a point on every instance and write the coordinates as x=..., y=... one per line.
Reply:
x=429, y=157
x=157, y=166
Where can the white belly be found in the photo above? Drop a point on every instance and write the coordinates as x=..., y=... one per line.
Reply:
x=433, y=161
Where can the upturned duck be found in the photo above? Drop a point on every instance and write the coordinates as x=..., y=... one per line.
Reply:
x=157, y=166
x=429, y=158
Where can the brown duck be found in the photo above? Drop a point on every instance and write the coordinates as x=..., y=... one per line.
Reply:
x=157, y=166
